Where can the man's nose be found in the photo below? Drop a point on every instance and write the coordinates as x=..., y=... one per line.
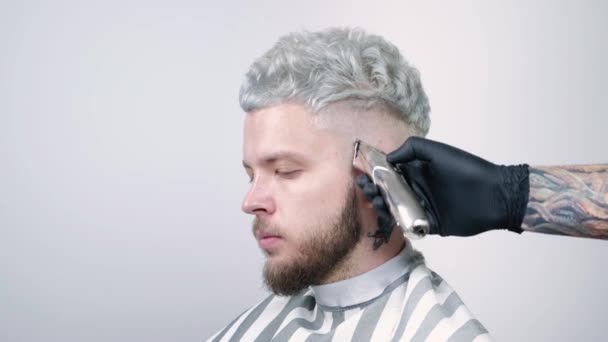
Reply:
x=258, y=200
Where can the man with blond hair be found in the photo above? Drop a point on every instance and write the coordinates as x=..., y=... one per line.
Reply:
x=337, y=269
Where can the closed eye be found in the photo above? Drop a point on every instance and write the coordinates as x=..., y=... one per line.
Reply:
x=287, y=173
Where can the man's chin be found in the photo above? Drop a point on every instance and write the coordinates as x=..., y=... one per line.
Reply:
x=283, y=278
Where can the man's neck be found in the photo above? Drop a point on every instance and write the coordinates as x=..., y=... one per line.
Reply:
x=364, y=258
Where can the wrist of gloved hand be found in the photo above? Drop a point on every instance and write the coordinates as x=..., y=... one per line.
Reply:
x=516, y=191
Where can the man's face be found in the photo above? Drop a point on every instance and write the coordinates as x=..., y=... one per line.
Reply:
x=302, y=195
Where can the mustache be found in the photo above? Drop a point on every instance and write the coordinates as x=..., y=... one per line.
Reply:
x=259, y=225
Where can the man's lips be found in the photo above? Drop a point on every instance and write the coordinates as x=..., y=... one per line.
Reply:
x=267, y=241
x=261, y=234
x=266, y=235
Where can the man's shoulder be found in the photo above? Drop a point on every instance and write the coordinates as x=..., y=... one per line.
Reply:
x=235, y=322
x=270, y=306
x=438, y=309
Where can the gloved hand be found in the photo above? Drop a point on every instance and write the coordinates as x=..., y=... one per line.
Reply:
x=461, y=194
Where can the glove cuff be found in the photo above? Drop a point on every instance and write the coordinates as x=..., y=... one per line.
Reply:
x=517, y=185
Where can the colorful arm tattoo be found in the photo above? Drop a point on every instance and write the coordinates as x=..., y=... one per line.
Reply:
x=568, y=200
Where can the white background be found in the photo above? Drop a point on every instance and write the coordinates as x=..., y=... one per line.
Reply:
x=120, y=157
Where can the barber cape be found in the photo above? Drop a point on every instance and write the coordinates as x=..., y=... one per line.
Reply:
x=400, y=300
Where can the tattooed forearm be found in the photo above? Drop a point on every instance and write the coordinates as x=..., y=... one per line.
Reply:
x=568, y=200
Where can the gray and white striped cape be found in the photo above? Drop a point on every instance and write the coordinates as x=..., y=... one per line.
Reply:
x=401, y=300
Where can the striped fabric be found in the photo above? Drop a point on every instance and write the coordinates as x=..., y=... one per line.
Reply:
x=401, y=300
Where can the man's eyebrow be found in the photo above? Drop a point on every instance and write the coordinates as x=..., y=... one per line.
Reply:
x=275, y=156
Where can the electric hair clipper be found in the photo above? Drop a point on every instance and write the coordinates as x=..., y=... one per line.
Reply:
x=397, y=194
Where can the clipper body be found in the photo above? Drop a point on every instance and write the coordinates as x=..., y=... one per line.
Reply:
x=397, y=194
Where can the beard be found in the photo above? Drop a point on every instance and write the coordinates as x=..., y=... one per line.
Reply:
x=317, y=256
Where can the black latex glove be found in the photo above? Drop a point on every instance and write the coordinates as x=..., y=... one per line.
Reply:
x=461, y=194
